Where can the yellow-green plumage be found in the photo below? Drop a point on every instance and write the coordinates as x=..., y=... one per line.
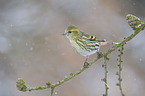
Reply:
x=83, y=43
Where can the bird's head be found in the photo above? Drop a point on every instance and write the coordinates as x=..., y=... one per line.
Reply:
x=72, y=33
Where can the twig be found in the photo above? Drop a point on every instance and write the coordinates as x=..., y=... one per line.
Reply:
x=119, y=59
x=21, y=84
x=105, y=79
x=52, y=89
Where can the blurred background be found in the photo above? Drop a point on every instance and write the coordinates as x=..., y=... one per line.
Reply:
x=32, y=46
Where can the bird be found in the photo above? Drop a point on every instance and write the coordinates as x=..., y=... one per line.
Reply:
x=83, y=43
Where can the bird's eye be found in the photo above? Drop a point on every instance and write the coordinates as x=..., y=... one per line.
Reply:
x=69, y=31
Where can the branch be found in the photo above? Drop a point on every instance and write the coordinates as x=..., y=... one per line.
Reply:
x=105, y=79
x=133, y=22
x=119, y=59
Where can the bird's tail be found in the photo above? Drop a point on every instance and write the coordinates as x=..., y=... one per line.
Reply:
x=103, y=42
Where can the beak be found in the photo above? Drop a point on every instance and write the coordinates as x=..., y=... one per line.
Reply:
x=64, y=34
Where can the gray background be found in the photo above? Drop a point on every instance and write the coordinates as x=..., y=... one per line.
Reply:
x=32, y=47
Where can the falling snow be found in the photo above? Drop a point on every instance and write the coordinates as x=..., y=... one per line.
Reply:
x=31, y=48
x=27, y=25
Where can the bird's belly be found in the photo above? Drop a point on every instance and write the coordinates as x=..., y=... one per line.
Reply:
x=81, y=51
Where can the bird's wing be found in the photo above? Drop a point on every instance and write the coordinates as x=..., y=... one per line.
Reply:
x=93, y=38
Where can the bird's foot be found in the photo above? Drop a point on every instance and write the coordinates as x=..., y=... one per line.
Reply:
x=99, y=54
x=86, y=64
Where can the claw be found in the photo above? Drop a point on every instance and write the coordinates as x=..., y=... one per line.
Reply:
x=86, y=64
x=99, y=54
